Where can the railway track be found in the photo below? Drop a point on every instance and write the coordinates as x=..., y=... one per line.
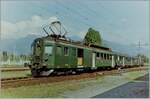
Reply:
x=26, y=81
x=15, y=79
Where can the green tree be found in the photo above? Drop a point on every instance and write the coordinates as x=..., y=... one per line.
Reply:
x=92, y=37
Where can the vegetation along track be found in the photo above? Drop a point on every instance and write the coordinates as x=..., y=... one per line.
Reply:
x=25, y=81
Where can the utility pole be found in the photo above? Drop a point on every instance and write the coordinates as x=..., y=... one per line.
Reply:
x=140, y=45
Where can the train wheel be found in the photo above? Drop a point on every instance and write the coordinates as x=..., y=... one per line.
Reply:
x=34, y=73
x=73, y=72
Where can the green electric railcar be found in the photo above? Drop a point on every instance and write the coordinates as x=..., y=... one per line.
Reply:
x=50, y=55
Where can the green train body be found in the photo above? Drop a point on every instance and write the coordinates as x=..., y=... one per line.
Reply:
x=52, y=55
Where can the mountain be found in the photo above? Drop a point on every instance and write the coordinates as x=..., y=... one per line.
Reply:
x=125, y=49
x=19, y=46
x=23, y=45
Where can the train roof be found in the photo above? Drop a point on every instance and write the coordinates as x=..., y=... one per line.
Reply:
x=77, y=43
x=80, y=44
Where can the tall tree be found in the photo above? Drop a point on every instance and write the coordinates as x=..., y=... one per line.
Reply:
x=93, y=37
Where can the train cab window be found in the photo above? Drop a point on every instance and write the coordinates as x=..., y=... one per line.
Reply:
x=48, y=50
x=38, y=50
x=58, y=50
x=66, y=51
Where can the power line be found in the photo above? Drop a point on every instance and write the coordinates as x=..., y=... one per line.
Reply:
x=100, y=27
x=85, y=18
x=76, y=13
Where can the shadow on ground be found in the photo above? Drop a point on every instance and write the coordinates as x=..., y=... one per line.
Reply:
x=138, y=88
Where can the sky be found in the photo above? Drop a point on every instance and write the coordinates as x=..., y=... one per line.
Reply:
x=121, y=21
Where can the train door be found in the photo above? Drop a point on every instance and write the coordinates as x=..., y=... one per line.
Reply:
x=112, y=61
x=93, y=60
x=123, y=61
x=80, y=56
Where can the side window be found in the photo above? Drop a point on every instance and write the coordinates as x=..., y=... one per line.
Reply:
x=58, y=50
x=66, y=51
x=110, y=56
x=97, y=55
x=102, y=56
x=48, y=50
x=105, y=56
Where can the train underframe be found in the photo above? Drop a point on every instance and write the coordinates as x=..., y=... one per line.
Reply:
x=44, y=71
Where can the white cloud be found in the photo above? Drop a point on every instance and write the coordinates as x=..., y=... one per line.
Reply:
x=23, y=28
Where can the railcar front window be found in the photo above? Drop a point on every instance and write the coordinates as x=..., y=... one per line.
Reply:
x=32, y=50
x=38, y=51
x=48, y=50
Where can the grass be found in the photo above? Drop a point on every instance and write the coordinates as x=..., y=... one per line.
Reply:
x=146, y=64
x=9, y=74
x=41, y=91
x=12, y=65
x=58, y=89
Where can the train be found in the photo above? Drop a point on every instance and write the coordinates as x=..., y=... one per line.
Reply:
x=55, y=53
